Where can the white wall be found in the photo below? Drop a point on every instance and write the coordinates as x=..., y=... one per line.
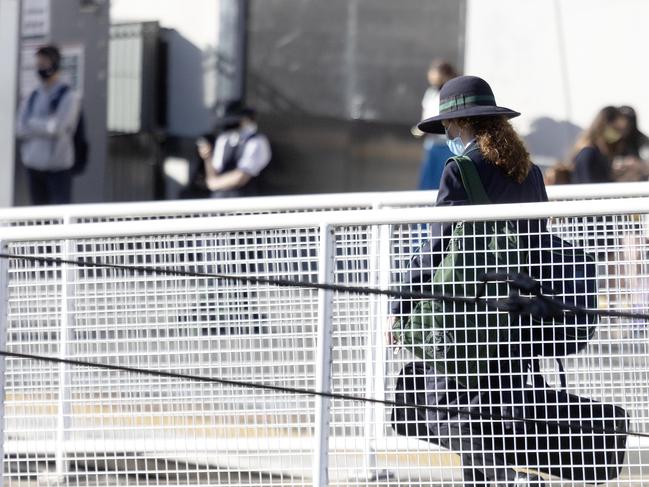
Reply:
x=9, y=15
x=194, y=19
x=561, y=59
x=192, y=70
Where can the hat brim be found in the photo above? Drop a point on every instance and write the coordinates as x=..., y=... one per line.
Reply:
x=434, y=125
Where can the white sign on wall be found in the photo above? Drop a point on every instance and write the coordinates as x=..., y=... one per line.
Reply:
x=72, y=62
x=35, y=19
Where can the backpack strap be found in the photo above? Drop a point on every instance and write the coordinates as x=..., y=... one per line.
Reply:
x=30, y=104
x=562, y=374
x=471, y=180
x=56, y=98
x=241, y=145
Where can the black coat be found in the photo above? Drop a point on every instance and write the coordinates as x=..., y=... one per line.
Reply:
x=417, y=385
x=591, y=166
x=499, y=187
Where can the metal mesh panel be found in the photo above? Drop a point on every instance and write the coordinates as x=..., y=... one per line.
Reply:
x=163, y=430
x=612, y=369
x=85, y=426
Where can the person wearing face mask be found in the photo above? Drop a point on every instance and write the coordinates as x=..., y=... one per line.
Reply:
x=46, y=124
x=632, y=159
x=240, y=153
x=593, y=154
x=435, y=151
x=475, y=127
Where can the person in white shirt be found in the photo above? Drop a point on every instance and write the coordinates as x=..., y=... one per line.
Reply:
x=436, y=153
x=240, y=154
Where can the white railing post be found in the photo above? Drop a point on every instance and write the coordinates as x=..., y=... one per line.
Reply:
x=4, y=315
x=64, y=417
x=369, y=471
x=323, y=358
x=385, y=232
x=374, y=427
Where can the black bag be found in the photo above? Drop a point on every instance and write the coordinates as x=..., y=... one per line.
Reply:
x=569, y=440
x=577, y=441
x=572, y=273
x=568, y=270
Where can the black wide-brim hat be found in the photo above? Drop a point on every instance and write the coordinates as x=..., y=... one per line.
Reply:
x=464, y=97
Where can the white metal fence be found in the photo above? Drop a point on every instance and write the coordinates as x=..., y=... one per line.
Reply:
x=85, y=426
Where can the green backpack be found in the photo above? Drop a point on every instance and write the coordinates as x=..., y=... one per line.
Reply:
x=460, y=339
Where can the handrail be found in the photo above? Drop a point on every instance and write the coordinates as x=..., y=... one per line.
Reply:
x=333, y=218
x=294, y=202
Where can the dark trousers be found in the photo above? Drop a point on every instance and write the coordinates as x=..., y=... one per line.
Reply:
x=50, y=187
x=481, y=442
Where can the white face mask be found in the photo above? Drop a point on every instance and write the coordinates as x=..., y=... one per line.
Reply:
x=456, y=146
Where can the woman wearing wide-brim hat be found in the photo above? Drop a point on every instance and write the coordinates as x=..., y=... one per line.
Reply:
x=476, y=127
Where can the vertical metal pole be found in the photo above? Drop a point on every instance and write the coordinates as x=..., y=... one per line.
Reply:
x=9, y=29
x=67, y=324
x=4, y=313
x=375, y=385
x=371, y=357
x=385, y=232
x=323, y=358
x=233, y=50
x=242, y=46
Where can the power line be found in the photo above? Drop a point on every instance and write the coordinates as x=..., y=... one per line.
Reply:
x=570, y=425
x=395, y=293
x=249, y=279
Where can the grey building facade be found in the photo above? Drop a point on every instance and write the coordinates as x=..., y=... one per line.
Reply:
x=338, y=85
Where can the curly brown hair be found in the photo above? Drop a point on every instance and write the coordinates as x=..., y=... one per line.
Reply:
x=500, y=145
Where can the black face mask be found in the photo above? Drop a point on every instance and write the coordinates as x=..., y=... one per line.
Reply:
x=45, y=74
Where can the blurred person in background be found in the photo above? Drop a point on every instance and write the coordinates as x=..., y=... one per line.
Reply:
x=227, y=119
x=46, y=124
x=197, y=185
x=558, y=173
x=593, y=162
x=436, y=152
x=596, y=147
x=631, y=163
x=239, y=155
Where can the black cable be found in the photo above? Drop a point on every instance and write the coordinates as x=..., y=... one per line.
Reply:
x=249, y=279
x=292, y=390
x=490, y=303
